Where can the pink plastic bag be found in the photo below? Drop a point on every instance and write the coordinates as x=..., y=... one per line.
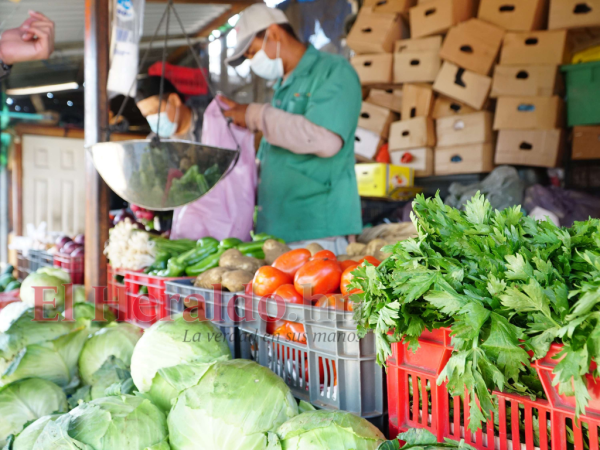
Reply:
x=228, y=209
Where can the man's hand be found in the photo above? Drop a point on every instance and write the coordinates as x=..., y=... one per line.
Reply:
x=34, y=40
x=236, y=111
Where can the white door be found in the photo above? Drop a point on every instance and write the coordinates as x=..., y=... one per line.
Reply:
x=54, y=183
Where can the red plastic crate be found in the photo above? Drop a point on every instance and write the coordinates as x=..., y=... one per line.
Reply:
x=73, y=265
x=7, y=298
x=116, y=293
x=146, y=309
x=416, y=401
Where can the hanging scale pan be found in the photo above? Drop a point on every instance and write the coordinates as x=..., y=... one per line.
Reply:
x=163, y=174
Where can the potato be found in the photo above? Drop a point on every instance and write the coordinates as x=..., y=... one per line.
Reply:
x=274, y=249
x=355, y=249
x=210, y=277
x=344, y=257
x=375, y=246
x=236, y=280
x=314, y=248
x=234, y=260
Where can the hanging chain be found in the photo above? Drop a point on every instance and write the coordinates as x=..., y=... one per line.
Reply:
x=164, y=67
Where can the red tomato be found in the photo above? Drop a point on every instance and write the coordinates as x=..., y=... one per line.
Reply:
x=321, y=276
x=329, y=368
x=370, y=259
x=277, y=328
x=248, y=289
x=324, y=254
x=347, y=278
x=289, y=295
x=291, y=261
x=345, y=264
x=349, y=305
x=331, y=301
x=296, y=332
x=267, y=279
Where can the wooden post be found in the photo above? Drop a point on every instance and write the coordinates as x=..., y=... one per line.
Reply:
x=97, y=24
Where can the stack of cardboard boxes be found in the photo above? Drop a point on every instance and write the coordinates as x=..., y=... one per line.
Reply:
x=476, y=84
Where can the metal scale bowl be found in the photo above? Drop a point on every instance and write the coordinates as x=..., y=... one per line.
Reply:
x=163, y=174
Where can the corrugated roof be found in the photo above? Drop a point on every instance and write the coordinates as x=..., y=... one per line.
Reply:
x=69, y=17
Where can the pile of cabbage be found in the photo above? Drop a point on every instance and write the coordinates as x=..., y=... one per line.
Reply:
x=86, y=385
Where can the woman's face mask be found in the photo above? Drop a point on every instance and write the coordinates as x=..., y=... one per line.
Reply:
x=164, y=128
x=265, y=67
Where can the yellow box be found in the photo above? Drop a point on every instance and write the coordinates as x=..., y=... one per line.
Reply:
x=380, y=180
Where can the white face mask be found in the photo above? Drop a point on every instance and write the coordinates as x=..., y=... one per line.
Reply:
x=167, y=128
x=265, y=67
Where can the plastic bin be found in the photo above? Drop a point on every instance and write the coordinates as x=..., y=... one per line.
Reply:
x=39, y=259
x=416, y=401
x=146, y=309
x=217, y=306
x=583, y=93
x=334, y=370
x=116, y=293
x=73, y=265
x=6, y=298
x=22, y=266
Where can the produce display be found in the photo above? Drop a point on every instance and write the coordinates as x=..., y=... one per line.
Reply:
x=506, y=284
x=8, y=283
x=65, y=246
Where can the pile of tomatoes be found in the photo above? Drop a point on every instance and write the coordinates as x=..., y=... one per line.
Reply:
x=319, y=280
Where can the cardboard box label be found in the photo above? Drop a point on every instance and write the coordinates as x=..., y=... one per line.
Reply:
x=475, y=128
x=475, y=158
x=530, y=148
x=529, y=113
x=535, y=48
x=526, y=81
x=379, y=180
x=463, y=85
x=412, y=133
x=515, y=15
x=473, y=45
x=366, y=143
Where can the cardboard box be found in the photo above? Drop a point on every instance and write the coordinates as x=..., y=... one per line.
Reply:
x=418, y=159
x=474, y=158
x=463, y=85
x=379, y=179
x=417, y=100
x=447, y=107
x=530, y=148
x=389, y=6
x=412, y=133
x=535, y=48
x=473, y=45
x=386, y=98
x=586, y=143
x=373, y=69
x=375, y=32
x=417, y=60
x=376, y=119
x=366, y=144
x=529, y=113
x=437, y=16
x=526, y=81
x=574, y=14
x=468, y=129
x=515, y=15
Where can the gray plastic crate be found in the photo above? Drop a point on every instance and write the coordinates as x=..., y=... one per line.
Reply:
x=334, y=370
x=39, y=259
x=219, y=307
x=22, y=265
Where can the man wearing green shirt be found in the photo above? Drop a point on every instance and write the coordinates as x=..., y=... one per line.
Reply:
x=307, y=187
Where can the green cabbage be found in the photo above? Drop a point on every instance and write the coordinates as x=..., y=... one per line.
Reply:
x=56, y=272
x=28, y=437
x=79, y=294
x=117, y=339
x=54, y=360
x=27, y=400
x=324, y=430
x=47, y=281
x=88, y=311
x=160, y=365
x=123, y=422
x=234, y=406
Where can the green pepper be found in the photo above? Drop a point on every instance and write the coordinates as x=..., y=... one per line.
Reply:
x=258, y=254
x=208, y=263
x=206, y=240
x=250, y=247
x=160, y=262
x=264, y=236
x=228, y=243
x=177, y=246
x=197, y=254
x=143, y=290
x=174, y=269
